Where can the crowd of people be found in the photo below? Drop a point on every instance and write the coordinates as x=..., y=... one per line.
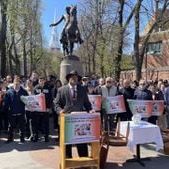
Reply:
x=68, y=98
x=142, y=90
x=13, y=114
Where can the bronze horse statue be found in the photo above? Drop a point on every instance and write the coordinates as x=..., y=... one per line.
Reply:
x=71, y=34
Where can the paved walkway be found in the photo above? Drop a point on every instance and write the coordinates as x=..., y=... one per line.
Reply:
x=43, y=155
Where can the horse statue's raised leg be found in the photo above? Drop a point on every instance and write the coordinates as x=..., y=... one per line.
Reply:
x=65, y=49
x=71, y=46
x=65, y=46
x=78, y=37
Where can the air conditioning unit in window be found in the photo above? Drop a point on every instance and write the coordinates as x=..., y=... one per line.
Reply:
x=151, y=52
x=157, y=52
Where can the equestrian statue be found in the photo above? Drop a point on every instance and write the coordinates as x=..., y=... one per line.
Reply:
x=70, y=33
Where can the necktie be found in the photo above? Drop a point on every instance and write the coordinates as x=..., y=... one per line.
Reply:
x=108, y=90
x=74, y=93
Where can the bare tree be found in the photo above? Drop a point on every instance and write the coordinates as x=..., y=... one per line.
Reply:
x=106, y=28
x=24, y=35
x=139, y=52
x=3, y=29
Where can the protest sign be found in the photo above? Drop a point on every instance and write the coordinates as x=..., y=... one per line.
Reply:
x=147, y=108
x=34, y=102
x=0, y=98
x=114, y=104
x=82, y=128
x=95, y=100
x=143, y=107
x=158, y=107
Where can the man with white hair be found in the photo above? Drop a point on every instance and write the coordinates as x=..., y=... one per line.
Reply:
x=108, y=90
x=101, y=83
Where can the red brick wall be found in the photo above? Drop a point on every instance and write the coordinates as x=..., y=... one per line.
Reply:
x=157, y=61
x=157, y=65
x=151, y=74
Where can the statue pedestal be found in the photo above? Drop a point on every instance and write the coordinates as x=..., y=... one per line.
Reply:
x=69, y=63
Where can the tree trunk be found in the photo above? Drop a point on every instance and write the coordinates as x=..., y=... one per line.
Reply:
x=138, y=64
x=3, y=29
x=17, y=61
x=88, y=57
x=138, y=69
x=139, y=53
x=89, y=64
x=96, y=32
x=117, y=59
x=24, y=60
x=31, y=61
x=101, y=65
x=10, y=58
x=10, y=63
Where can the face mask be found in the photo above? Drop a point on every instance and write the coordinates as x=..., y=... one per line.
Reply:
x=142, y=87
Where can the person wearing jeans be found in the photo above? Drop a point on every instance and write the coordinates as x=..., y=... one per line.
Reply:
x=16, y=109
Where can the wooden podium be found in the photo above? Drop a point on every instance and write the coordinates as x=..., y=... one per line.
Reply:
x=92, y=161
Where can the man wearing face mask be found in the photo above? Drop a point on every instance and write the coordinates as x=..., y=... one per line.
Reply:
x=73, y=98
x=142, y=93
x=128, y=93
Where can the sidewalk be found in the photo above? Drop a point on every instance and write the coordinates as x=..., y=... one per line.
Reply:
x=43, y=155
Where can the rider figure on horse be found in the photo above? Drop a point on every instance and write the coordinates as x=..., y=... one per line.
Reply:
x=66, y=18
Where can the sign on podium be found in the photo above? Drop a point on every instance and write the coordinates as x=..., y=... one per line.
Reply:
x=77, y=128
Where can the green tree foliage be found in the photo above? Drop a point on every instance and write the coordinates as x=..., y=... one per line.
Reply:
x=127, y=63
x=49, y=63
x=104, y=28
x=24, y=42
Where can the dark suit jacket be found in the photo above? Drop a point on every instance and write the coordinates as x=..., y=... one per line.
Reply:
x=65, y=101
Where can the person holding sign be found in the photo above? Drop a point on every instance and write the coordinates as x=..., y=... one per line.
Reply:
x=73, y=98
x=128, y=93
x=41, y=119
x=108, y=90
x=2, y=94
x=16, y=109
x=29, y=88
x=98, y=88
x=156, y=95
x=142, y=93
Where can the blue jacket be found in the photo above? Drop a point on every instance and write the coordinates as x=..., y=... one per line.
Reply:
x=166, y=96
x=13, y=102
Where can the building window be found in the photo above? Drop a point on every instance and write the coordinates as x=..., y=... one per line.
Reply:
x=154, y=48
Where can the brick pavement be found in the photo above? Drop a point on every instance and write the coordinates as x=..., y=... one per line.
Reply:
x=43, y=155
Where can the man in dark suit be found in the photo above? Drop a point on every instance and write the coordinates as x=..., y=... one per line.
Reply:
x=128, y=93
x=142, y=93
x=73, y=98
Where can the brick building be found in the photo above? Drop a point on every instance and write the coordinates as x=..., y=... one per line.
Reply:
x=156, y=59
